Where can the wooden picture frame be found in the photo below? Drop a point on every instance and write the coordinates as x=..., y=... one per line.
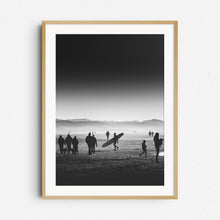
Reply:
x=48, y=69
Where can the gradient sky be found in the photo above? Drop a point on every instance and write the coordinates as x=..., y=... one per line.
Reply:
x=110, y=77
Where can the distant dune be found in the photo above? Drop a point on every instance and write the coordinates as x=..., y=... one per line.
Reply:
x=85, y=125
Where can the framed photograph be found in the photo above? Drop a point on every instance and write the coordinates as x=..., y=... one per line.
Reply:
x=109, y=110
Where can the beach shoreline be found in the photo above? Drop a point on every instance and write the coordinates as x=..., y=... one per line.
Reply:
x=109, y=167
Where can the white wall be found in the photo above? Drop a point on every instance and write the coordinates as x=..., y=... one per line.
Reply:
x=20, y=109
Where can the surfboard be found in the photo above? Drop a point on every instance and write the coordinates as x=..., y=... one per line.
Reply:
x=111, y=141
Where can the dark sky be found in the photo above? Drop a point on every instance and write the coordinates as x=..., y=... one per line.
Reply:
x=107, y=70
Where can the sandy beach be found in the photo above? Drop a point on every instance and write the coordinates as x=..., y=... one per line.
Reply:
x=109, y=167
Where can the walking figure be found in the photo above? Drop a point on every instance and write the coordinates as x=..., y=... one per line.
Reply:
x=61, y=142
x=68, y=141
x=93, y=144
x=107, y=134
x=75, y=143
x=144, y=148
x=115, y=142
x=89, y=143
x=158, y=142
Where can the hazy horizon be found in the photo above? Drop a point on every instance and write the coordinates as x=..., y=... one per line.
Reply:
x=83, y=126
x=108, y=119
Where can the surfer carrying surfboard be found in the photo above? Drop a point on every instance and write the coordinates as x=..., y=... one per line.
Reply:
x=115, y=142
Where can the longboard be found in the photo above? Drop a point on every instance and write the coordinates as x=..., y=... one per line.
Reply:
x=111, y=141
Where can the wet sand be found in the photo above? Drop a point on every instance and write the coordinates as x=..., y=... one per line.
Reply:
x=109, y=167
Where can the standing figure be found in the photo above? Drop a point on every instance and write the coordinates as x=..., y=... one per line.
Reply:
x=149, y=133
x=61, y=143
x=75, y=143
x=115, y=142
x=152, y=133
x=93, y=144
x=158, y=142
x=107, y=134
x=68, y=141
x=89, y=143
x=144, y=148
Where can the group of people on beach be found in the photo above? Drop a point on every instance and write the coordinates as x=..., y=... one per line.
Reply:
x=68, y=141
x=151, y=133
x=115, y=140
x=91, y=141
x=157, y=142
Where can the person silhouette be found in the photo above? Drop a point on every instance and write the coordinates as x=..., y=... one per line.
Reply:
x=89, y=143
x=149, y=133
x=158, y=142
x=75, y=143
x=107, y=134
x=115, y=142
x=144, y=148
x=61, y=142
x=68, y=141
x=93, y=144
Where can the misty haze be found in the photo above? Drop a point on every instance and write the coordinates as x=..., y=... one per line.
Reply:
x=83, y=126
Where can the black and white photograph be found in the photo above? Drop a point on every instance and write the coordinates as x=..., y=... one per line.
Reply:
x=109, y=109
